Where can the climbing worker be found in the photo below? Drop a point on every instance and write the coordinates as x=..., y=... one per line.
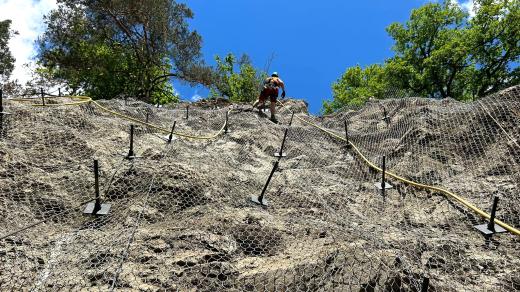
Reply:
x=270, y=90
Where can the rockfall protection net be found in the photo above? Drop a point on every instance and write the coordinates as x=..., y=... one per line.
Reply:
x=181, y=217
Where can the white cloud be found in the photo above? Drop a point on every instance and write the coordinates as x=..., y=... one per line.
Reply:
x=196, y=97
x=27, y=19
x=469, y=6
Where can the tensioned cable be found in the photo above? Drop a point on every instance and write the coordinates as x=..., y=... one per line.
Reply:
x=458, y=198
x=498, y=124
x=86, y=99
x=131, y=238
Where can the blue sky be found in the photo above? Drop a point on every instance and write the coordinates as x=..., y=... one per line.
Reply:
x=313, y=41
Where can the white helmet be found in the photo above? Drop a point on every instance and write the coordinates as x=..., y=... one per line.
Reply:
x=275, y=74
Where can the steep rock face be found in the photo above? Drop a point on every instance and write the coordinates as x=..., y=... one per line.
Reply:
x=181, y=215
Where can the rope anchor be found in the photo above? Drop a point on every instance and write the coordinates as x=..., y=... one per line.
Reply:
x=95, y=207
x=491, y=227
x=346, y=135
x=131, y=154
x=226, y=125
x=418, y=185
x=43, y=96
x=385, y=118
x=425, y=284
x=170, y=137
x=383, y=185
x=260, y=199
x=280, y=153
x=292, y=116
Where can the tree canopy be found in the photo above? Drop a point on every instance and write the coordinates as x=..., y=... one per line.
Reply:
x=241, y=86
x=442, y=52
x=356, y=85
x=6, y=57
x=107, y=48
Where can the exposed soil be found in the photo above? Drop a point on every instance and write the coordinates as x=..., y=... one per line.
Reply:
x=181, y=217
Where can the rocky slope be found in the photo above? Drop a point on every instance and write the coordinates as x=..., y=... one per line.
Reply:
x=181, y=217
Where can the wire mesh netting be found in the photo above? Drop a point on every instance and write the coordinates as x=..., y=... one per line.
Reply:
x=181, y=215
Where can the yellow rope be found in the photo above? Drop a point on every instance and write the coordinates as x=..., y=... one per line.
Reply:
x=82, y=100
x=157, y=127
x=87, y=99
x=413, y=183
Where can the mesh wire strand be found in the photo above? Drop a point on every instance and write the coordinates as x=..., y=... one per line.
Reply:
x=181, y=216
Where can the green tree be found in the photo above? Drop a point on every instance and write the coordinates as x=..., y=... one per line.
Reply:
x=494, y=39
x=356, y=85
x=431, y=53
x=223, y=71
x=442, y=52
x=113, y=47
x=242, y=86
x=6, y=58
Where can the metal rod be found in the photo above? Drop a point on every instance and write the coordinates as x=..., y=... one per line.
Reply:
x=261, y=197
x=43, y=96
x=386, y=118
x=171, y=133
x=59, y=92
x=147, y=116
x=1, y=124
x=425, y=284
x=383, y=176
x=1, y=101
x=491, y=224
x=226, y=129
x=97, y=204
x=131, y=152
x=187, y=111
x=346, y=131
x=283, y=141
x=292, y=116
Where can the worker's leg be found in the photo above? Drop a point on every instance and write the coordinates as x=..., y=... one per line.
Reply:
x=262, y=107
x=273, y=109
x=261, y=101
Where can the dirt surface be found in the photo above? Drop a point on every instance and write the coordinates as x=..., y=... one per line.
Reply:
x=181, y=217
